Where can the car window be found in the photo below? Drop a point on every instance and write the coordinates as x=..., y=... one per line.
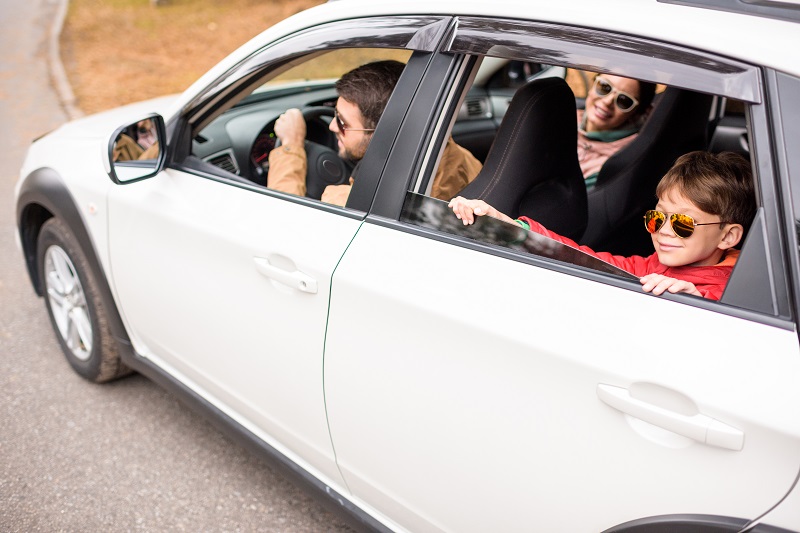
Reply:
x=239, y=142
x=329, y=66
x=679, y=121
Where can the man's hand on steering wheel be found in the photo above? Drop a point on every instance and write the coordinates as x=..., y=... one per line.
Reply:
x=324, y=166
x=290, y=128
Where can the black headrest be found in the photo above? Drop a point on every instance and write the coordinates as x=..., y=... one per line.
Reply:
x=532, y=168
x=626, y=184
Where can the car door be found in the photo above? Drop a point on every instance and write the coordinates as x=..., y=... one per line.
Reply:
x=485, y=390
x=224, y=283
x=218, y=288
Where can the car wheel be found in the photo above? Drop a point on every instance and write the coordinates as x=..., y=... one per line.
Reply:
x=73, y=302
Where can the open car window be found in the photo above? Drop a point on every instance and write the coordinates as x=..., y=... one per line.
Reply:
x=328, y=66
x=693, y=108
x=238, y=141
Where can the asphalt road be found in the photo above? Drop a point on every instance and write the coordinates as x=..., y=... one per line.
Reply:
x=120, y=457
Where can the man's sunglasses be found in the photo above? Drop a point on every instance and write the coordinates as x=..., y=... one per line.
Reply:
x=623, y=101
x=682, y=225
x=344, y=128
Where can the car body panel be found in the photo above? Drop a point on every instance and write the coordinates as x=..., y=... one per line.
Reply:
x=198, y=243
x=521, y=406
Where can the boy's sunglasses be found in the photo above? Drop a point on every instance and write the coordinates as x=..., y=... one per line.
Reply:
x=623, y=101
x=343, y=128
x=682, y=225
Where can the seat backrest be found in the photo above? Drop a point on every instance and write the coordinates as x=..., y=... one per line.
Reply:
x=626, y=184
x=532, y=167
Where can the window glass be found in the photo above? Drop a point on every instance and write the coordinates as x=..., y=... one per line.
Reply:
x=305, y=151
x=331, y=65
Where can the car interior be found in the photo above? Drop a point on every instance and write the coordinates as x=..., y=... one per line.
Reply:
x=609, y=217
x=531, y=104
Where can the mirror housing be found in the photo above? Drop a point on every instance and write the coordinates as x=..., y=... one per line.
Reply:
x=136, y=151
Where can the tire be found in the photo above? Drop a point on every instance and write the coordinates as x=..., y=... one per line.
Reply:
x=73, y=302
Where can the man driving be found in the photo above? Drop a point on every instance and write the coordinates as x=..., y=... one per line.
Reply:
x=363, y=94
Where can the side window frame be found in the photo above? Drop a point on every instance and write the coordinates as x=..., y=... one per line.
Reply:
x=784, y=109
x=762, y=251
x=627, y=55
x=417, y=34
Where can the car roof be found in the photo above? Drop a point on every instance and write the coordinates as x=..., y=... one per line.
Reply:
x=757, y=39
x=754, y=39
x=782, y=9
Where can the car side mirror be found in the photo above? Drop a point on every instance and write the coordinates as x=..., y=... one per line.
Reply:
x=136, y=151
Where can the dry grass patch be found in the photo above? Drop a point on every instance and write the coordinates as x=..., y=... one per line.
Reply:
x=121, y=51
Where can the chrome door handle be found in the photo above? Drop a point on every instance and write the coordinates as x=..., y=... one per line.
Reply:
x=296, y=280
x=698, y=427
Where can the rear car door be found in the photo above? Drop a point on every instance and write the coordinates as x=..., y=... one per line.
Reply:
x=484, y=389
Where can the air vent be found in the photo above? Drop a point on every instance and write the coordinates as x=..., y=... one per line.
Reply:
x=474, y=108
x=225, y=161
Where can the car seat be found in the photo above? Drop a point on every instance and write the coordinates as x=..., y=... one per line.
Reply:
x=532, y=167
x=626, y=184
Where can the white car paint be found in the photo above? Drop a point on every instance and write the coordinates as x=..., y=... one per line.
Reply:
x=435, y=386
x=191, y=246
x=520, y=424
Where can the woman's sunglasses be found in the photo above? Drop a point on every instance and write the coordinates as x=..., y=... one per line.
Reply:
x=682, y=225
x=623, y=100
x=344, y=128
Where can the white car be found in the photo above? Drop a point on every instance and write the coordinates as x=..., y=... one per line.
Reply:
x=421, y=374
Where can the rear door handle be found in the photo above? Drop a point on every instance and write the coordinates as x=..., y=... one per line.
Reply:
x=296, y=280
x=698, y=427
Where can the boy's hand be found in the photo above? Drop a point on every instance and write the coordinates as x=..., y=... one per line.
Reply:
x=467, y=210
x=658, y=284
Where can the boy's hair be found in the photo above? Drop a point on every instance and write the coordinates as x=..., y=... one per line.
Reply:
x=719, y=184
x=369, y=87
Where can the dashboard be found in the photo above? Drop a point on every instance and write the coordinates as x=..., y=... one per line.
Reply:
x=239, y=140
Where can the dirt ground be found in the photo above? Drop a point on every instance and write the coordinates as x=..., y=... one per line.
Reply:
x=121, y=51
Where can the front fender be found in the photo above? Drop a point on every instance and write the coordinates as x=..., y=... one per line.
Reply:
x=41, y=196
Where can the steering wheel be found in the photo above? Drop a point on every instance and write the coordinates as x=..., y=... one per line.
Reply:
x=325, y=167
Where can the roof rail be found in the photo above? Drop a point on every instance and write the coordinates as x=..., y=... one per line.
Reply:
x=786, y=10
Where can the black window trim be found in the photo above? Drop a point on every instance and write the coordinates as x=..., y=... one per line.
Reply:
x=784, y=101
x=462, y=75
x=763, y=157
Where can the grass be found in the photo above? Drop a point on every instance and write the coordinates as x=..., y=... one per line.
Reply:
x=121, y=51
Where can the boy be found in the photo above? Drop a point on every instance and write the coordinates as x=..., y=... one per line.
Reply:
x=705, y=206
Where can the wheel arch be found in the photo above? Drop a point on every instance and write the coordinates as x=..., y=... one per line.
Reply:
x=42, y=196
x=693, y=523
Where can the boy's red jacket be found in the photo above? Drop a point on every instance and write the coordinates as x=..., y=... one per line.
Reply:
x=709, y=280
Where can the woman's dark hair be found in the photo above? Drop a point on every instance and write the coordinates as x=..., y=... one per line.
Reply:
x=647, y=91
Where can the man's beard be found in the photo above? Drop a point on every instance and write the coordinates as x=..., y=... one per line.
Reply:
x=356, y=154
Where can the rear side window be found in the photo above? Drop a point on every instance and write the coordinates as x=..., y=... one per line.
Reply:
x=604, y=211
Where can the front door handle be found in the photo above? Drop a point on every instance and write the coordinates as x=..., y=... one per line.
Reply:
x=698, y=427
x=296, y=279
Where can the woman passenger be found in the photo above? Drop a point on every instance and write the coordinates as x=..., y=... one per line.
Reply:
x=616, y=108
